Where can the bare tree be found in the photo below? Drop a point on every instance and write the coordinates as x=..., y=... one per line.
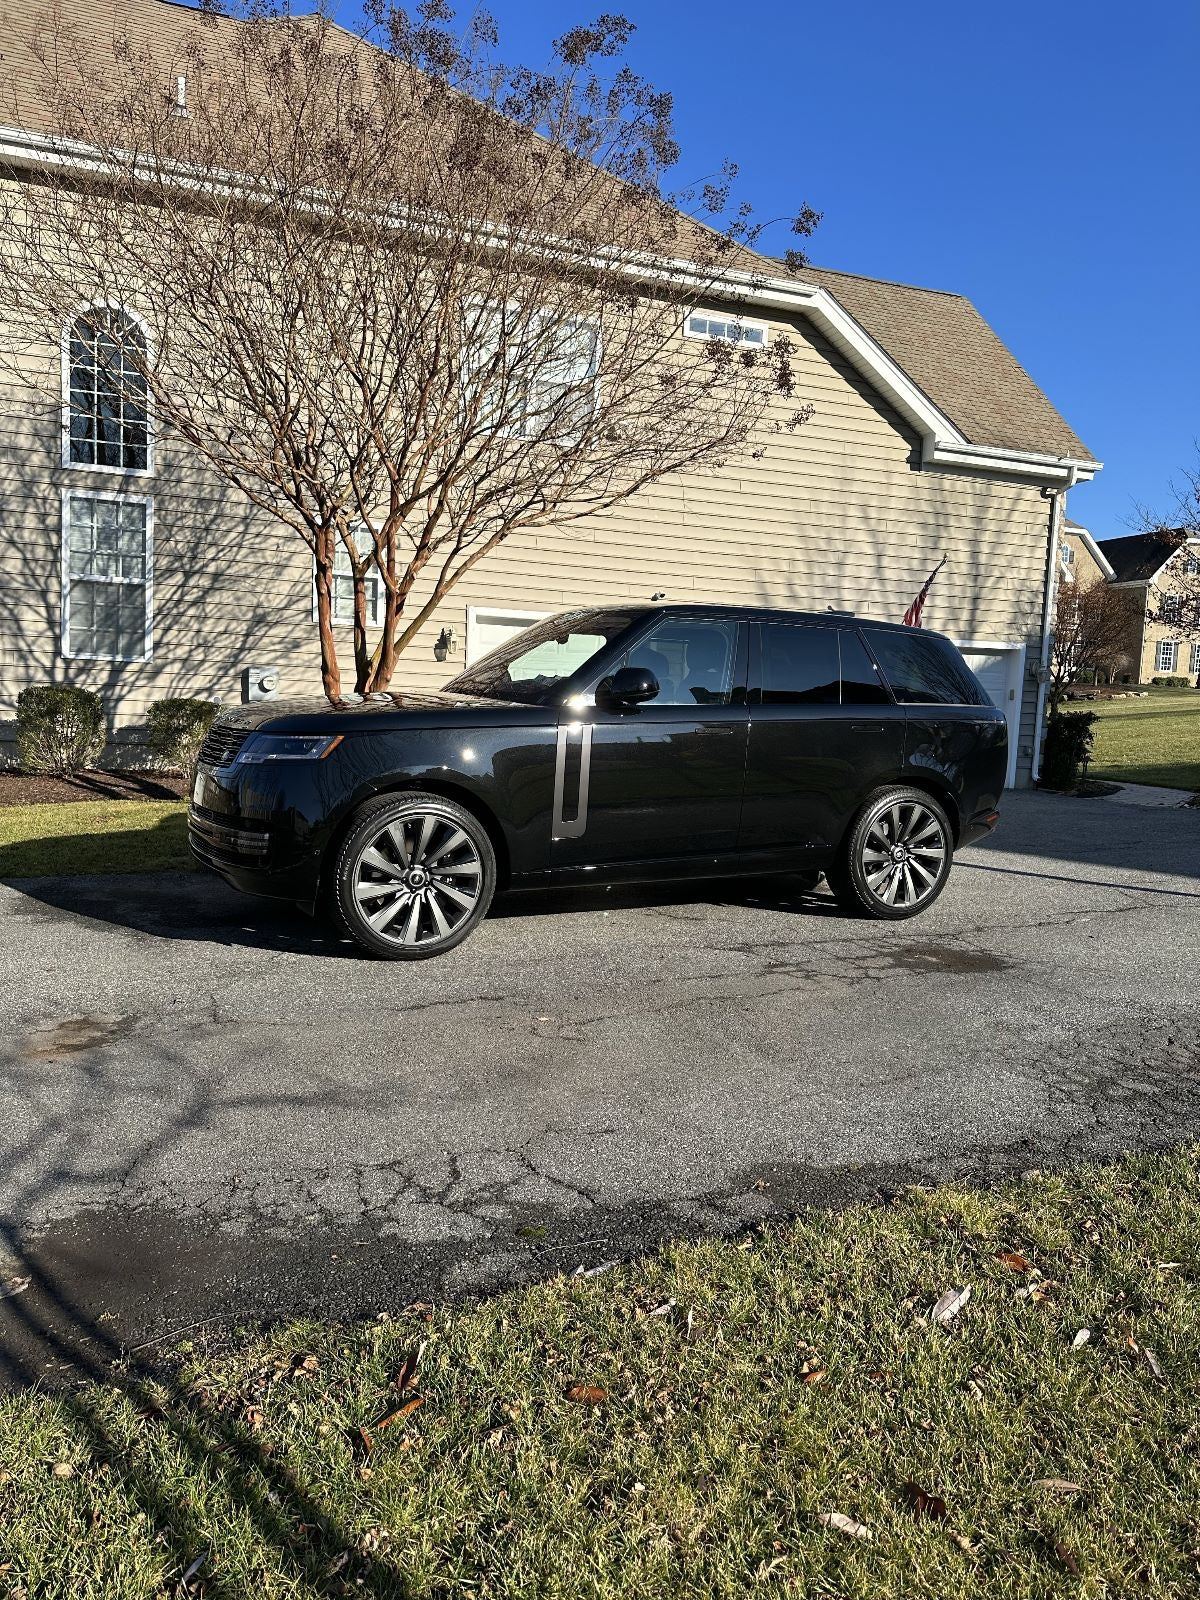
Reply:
x=1175, y=602
x=410, y=302
x=1091, y=634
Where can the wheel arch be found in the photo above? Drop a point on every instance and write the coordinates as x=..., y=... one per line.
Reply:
x=927, y=784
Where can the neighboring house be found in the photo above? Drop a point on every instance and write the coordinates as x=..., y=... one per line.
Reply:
x=1081, y=559
x=1156, y=570
x=928, y=439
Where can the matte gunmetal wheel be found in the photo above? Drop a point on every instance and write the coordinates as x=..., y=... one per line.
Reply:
x=415, y=875
x=897, y=857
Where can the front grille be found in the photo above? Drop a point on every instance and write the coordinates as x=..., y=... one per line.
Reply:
x=222, y=744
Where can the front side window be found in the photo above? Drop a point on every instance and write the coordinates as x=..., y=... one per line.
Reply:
x=1195, y=666
x=107, y=413
x=693, y=661
x=799, y=665
x=342, y=608
x=533, y=666
x=924, y=669
x=1167, y=655
x=106, y=576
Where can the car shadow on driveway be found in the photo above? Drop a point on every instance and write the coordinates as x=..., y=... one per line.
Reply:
x=196, y=906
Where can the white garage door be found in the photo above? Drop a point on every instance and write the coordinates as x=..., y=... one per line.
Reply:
x=486, y=629
x=999, y=671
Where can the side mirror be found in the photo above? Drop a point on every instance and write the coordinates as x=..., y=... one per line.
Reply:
x=628, y=687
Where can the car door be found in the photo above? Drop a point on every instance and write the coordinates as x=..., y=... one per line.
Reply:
x=663, y=780
x=824, y=732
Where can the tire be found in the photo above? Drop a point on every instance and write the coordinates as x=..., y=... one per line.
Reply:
x=879, y=874
x=435, y=870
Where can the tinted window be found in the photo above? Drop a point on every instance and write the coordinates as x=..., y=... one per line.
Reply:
x=532, y=665
x=799, y=665
x=924, y=668
x=861, y=683
x=693, y=662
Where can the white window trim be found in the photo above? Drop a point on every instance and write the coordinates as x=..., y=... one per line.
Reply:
x=725, y=316
x=476, y=303
x=477, y=617
x=65, y=366
x=146, y=500
x=1173, y=646
x=1195, y=658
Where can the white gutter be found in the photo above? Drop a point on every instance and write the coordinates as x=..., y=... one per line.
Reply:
x=942, y=443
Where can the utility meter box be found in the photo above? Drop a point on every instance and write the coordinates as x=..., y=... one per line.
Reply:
x=260, y=683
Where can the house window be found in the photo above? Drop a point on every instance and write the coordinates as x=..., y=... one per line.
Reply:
x=342, y=597
x=107, y=423
x=1191, y=566
x=728, y=329
x=1169, y=608
x=547, y=384
x=107, y=564
x=1068, y=555
x=1195, y=664
x=1166, y=655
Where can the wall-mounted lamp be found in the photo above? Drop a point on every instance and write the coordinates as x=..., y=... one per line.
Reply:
x=447, y=644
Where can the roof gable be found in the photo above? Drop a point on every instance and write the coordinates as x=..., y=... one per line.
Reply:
x=1139, y=557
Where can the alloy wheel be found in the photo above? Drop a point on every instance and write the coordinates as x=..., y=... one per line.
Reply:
x=418, y=879
x=903, y=854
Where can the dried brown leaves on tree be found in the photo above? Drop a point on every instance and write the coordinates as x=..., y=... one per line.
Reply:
x=1092, y=625
x=1174, y=604
x=409, y=301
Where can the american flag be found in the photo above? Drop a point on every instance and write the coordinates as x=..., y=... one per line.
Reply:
x=912, y=617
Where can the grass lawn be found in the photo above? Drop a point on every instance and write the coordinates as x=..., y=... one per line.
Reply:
x=684, y=1426
x=93, y=836
x=1156, y=740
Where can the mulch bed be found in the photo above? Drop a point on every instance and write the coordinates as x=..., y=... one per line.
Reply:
x=33, y=788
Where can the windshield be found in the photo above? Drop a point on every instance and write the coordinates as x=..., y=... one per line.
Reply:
x=534, y=664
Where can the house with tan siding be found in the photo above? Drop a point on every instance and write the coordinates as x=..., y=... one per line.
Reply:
x=1159, y=573
x=927, y=439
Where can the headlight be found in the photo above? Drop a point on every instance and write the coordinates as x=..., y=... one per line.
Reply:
x=287, y=747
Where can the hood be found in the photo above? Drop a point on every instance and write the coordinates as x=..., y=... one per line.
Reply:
x=362, y=712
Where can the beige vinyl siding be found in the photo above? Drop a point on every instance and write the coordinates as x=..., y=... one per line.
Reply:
x=837, y=514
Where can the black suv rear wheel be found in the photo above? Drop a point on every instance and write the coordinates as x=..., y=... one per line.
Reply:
x=413, y=877
x=896, y=857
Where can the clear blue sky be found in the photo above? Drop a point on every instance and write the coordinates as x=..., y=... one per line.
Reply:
x=1042, y=159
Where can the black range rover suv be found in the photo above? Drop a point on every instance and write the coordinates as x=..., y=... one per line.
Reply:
x=630, y=742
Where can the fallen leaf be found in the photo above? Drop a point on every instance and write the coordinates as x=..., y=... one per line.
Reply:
x=1153, y=1364
x=593, y=1272
x=663, y=1310
x=407, y=1374
x=1081, y=1338
x=587, y=1394
x=63, y=1469
x=1011, y=1259
x=365, y=1439
x=193, y=1569
x=306, y=1363
x=923, y=1504
x=15, y=1286
x=254, y=1418
x=817, y=1375
x=850, y=1526
x=1061, y=1485
x=951, y=1303
x=1066, y=1557
x=389, y=1417
x=964, y=1543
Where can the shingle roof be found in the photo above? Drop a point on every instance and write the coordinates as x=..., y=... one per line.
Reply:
x=939, y=339
x=1138, y=556
x=946, y=347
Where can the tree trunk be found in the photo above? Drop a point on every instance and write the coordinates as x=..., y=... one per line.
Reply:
x=331, y=677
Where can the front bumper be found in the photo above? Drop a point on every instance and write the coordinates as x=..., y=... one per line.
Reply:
x=262, y=831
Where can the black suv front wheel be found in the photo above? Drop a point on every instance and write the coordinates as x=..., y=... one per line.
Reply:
x=897, y=856
x=413, y=877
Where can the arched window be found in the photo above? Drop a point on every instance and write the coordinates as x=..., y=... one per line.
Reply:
x=108, y=419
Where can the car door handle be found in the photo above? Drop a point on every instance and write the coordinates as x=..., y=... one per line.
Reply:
x=866, y=727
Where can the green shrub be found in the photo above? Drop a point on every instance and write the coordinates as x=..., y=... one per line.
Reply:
x=1173, y=683
x=60, y=728
x=1067, y=748
x=178, y=729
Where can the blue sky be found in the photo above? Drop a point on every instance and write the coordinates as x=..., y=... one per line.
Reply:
x=1040, y=159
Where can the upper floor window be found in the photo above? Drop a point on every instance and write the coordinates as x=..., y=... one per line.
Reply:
x=1169, y=608
x=728, y=329
x=532, y=374
x=1191, y=565
x=107, y=422
x=1068, y=555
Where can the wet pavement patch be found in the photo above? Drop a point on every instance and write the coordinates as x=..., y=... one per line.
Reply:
x=945, y=958
x=74, y=1035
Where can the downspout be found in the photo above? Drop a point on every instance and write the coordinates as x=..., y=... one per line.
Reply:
x=1058, y=501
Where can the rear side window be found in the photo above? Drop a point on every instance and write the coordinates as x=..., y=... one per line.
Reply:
x=924, y=669
x=799, y=665
x=861, y=683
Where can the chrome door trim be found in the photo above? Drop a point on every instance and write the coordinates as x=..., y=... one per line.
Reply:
x=560, y=827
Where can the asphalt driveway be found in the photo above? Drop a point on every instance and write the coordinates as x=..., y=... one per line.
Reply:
x=214, y=1112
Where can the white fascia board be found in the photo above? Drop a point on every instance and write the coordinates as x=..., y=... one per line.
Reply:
x=942, y=443
x=1092, y=548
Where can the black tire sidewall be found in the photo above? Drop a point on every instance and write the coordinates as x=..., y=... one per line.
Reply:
x=365, y=826
x=850, y=876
